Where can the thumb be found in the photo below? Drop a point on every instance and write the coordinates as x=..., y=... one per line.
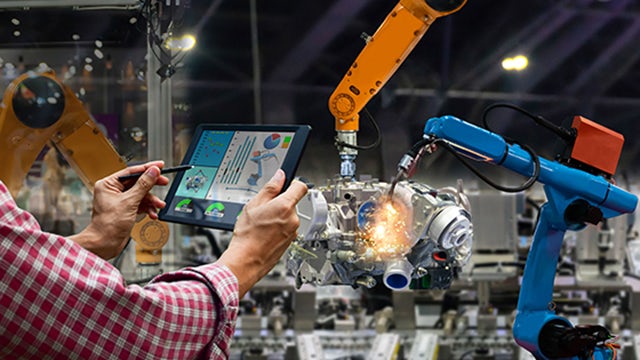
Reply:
x=272, y=188
x=145, y=183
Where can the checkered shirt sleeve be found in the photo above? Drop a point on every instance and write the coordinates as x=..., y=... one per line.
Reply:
x=59, y=301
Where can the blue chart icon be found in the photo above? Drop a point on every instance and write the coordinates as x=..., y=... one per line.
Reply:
x=272, y=141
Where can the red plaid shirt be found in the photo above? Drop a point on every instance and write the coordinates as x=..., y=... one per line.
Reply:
x=59, y=301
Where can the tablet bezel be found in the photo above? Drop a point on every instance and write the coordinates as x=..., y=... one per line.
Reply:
x=289, y=165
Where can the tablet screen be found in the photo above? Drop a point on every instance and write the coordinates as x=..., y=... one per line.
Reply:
x=231, y=163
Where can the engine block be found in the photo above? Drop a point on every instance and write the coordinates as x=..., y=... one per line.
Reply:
x=353, y=233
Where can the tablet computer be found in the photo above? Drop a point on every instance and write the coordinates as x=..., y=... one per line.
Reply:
x=231, y=163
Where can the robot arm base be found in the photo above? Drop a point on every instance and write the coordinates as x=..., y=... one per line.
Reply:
x=559, y=339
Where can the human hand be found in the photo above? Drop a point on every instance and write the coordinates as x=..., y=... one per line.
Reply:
x=116, y=206
x=263, y=232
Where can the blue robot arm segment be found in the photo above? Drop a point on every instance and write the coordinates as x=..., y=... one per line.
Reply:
x=481, y=144
x=257, y=158
x=574, y=197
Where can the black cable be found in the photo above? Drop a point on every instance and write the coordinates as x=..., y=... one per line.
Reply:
x=415, y=149
x=532, y=202
x=148, y=13
x=631, y=275
x=527, y=184
x=561, y=132
x=365, y=147
x=152, y=19
x=466, y=354
x=565, y=134
x=142, y=14
x=538, y=208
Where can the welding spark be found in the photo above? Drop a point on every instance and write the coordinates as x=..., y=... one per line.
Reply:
x=387, y=229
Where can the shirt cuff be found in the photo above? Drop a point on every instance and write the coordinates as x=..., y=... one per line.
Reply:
x=223, y=284
x=224, y=288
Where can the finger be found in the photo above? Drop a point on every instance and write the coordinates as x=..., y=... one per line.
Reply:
x=150, y=204
x=296, y=191
x=136, y=169
x=128, y=183
x=271, y=189
x=151, y=200
x=153, y=213
x=146, y=181
x=162, y=180
x=158, y=203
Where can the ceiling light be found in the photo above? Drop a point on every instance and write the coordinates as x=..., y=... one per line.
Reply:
x=516, y=63
x=99, y=44
x=98, y=53
x=15, y=21
x=88, y=67
x=75, y=37
x=88, y=60
x=17, y=33
x=133, y=20
x=184, y=43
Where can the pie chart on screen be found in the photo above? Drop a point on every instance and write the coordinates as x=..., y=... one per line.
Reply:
x=272, y=141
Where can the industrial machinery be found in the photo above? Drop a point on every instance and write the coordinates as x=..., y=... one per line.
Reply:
x=405, y=234
x=382, y=55
x=352, y=232
x=579, y=190
x=347, y=227
x=39, y=110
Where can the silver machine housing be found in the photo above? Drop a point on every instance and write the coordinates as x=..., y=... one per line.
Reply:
x=333, y=246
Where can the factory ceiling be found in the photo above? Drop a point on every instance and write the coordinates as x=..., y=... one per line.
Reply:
x=583, y=59
x=286, y=57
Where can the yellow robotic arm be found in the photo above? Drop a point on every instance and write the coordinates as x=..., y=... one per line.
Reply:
x=37, y=110
x=382, y=55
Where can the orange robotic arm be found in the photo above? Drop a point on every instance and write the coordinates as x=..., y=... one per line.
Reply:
x=38, y=109
x=382, y=55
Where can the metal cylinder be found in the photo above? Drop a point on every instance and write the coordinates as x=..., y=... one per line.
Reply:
x=347, y=154
x=397, y=274
x=451, y=227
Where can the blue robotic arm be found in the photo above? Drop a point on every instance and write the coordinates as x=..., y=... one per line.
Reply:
x=574, y=197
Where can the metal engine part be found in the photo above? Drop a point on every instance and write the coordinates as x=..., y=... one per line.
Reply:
x=351, y=233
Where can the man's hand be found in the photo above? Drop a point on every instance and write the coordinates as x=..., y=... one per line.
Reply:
x=263, y=231
x=116, y=206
